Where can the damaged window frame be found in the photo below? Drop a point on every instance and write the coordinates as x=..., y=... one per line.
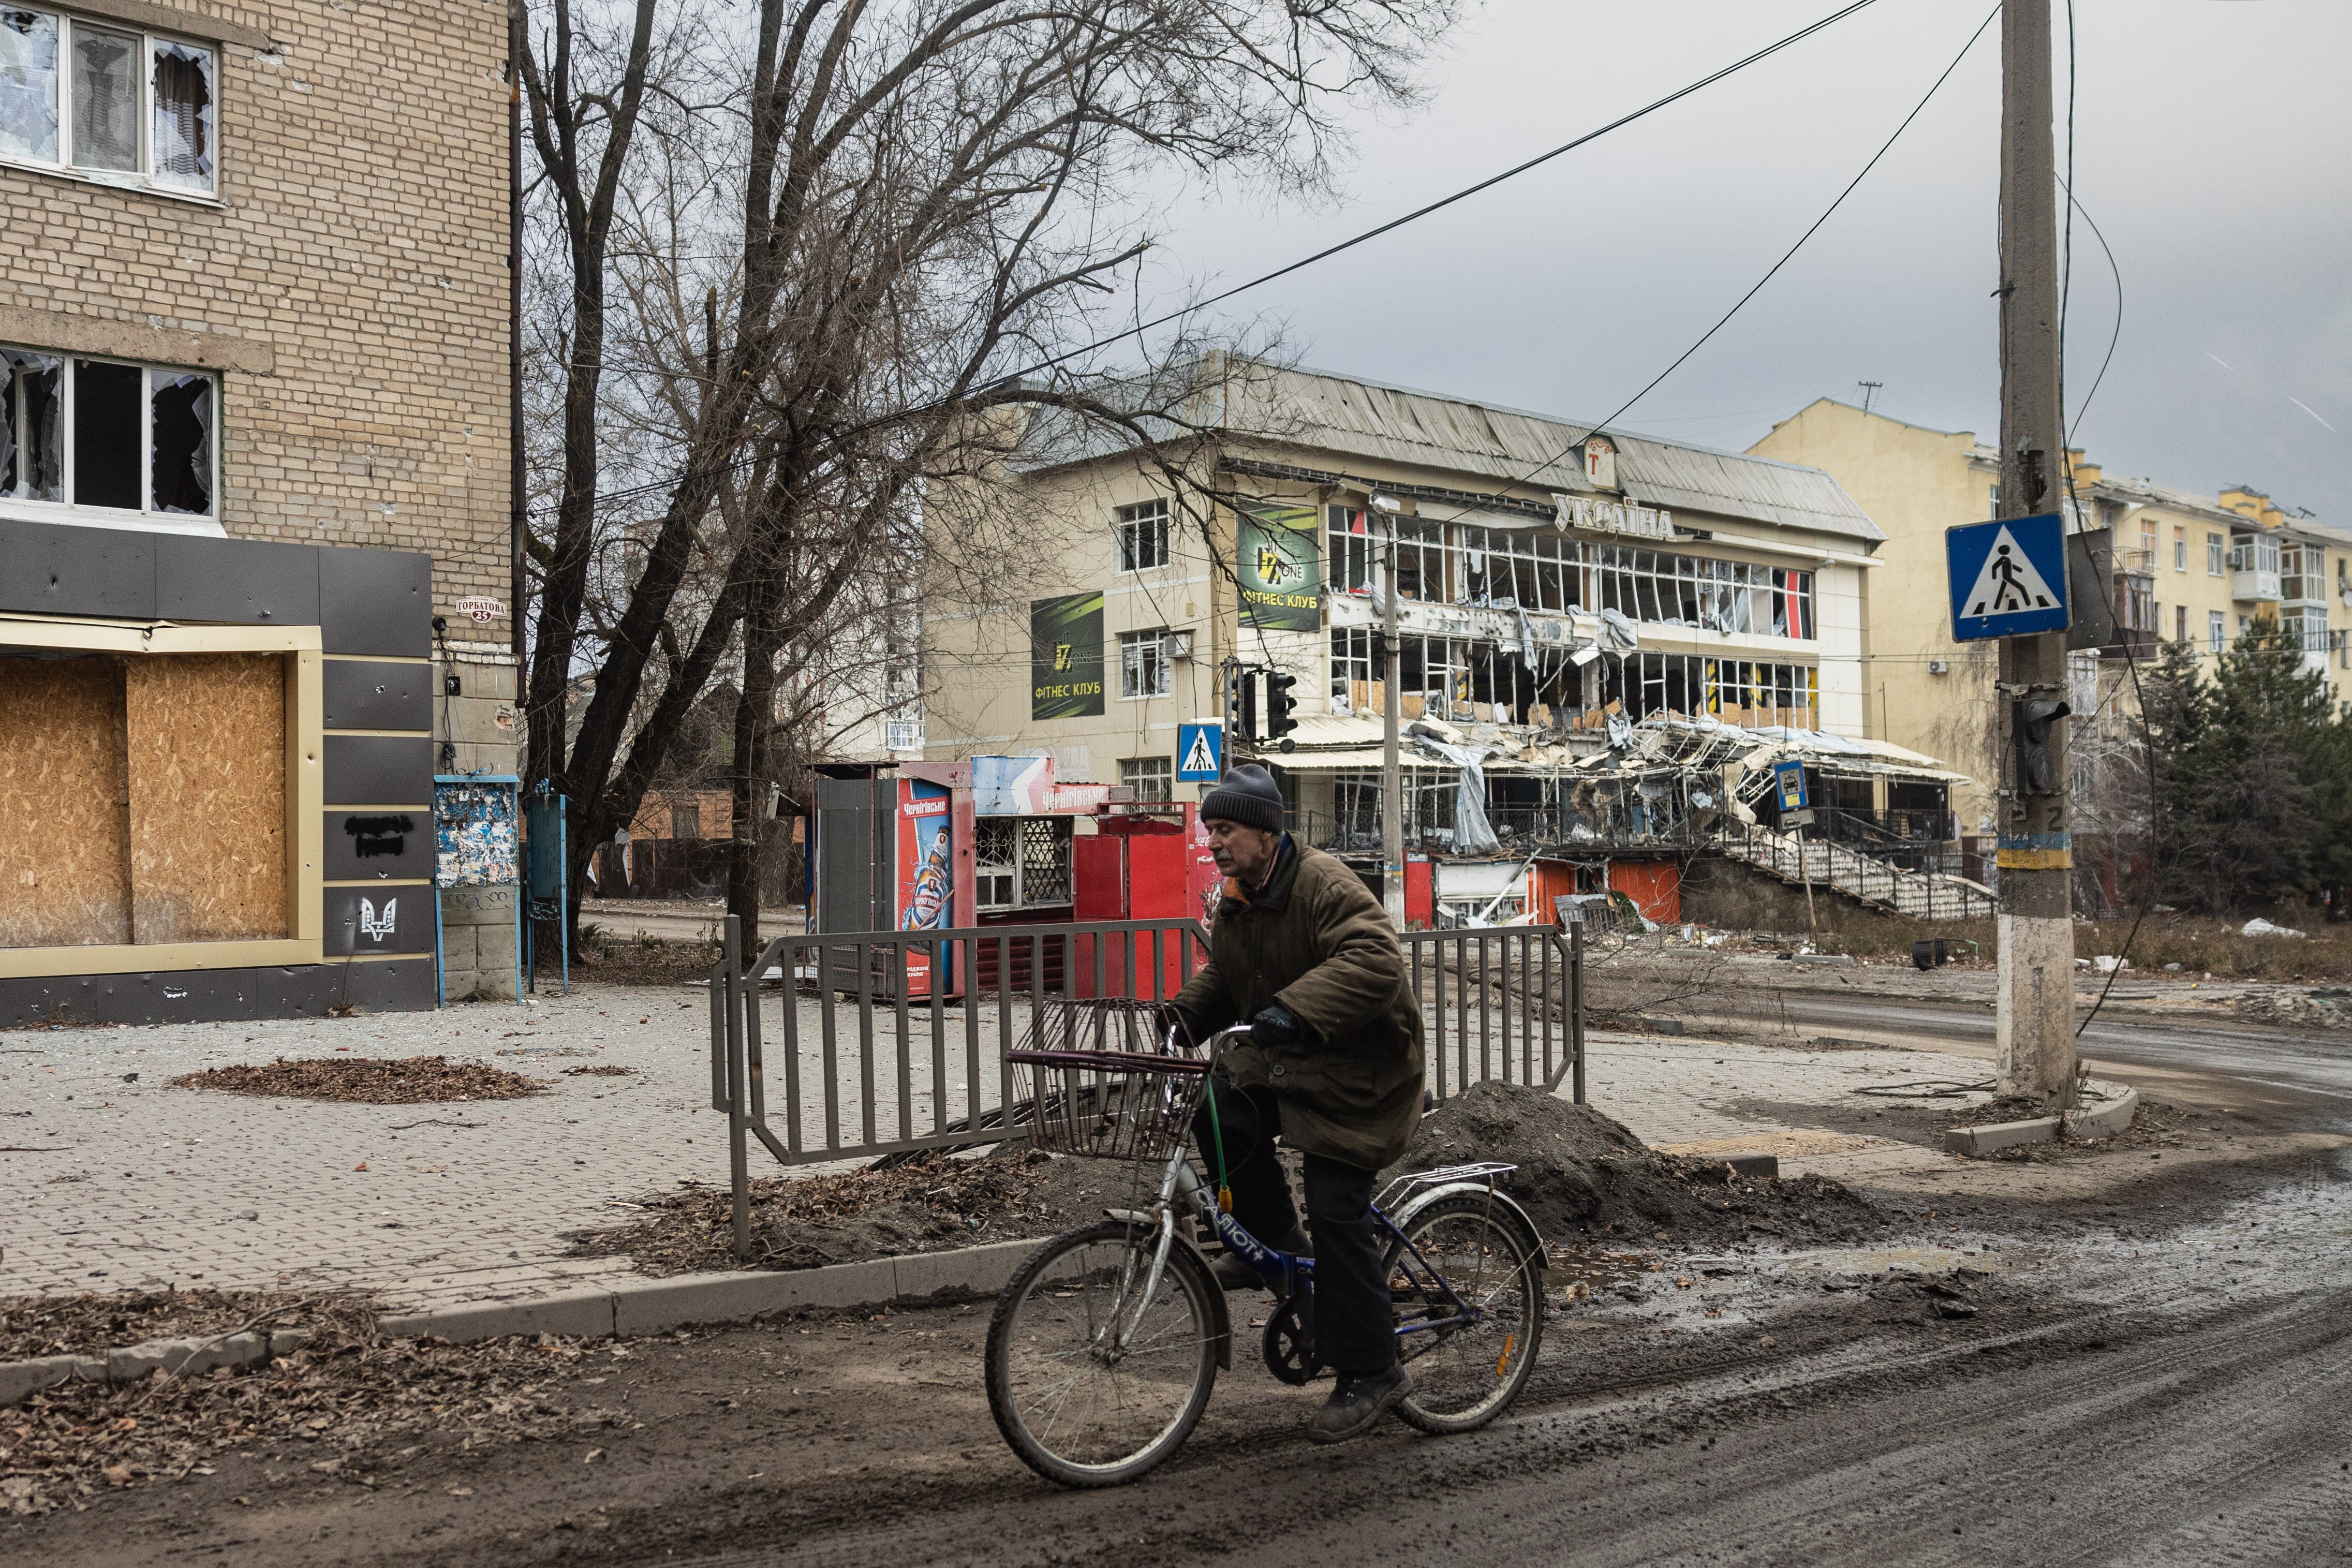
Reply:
x=58, y=490
x=158, y=161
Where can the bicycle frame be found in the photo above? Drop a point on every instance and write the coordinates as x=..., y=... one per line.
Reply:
x=1286, y=1273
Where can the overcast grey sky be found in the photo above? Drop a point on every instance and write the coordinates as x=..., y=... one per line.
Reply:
x=2213, y=140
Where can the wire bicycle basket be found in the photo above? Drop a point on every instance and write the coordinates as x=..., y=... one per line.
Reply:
x=1101, y=1085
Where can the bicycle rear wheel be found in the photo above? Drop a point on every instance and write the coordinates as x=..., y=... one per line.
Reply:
x=1465, y=1374
x=1079, y=1403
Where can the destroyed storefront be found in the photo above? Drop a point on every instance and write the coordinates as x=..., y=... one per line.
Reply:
x=1511, y=815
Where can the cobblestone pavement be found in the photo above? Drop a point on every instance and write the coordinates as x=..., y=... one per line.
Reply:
x=112, y=1179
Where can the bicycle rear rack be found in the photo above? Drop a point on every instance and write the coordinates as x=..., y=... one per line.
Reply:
x=1404, y=1186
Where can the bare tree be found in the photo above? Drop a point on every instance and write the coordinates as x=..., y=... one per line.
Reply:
x=926, y=196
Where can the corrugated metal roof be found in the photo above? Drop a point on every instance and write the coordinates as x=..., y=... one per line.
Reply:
x=1310, y=412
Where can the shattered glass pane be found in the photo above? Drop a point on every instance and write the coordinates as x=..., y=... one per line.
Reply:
x=32, y=428
x=183, y=116
x=107, y=417
x=183, y=442
x=105, y=99
x=28, y=86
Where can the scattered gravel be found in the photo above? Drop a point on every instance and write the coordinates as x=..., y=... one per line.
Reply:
x=371, y=1080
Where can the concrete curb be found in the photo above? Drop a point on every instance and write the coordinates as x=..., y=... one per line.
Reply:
x=2111, y=1116
x=20, y=1380
x=650, y=1305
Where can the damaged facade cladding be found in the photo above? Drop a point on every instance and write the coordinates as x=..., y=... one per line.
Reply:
x=253, y=441
x=1554, y=593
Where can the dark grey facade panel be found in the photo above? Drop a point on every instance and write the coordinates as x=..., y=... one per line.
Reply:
x=378, y=770
x=215, y=996
x=376, y=602
x=237, y=582
x=370, y=696
x=60, y=570
x=382, y=845
x=369, y=921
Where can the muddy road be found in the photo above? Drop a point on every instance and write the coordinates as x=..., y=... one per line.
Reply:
x=2310, y=1068
x=2169, y=1380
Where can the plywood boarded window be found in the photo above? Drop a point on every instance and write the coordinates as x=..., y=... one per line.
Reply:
x=144, y=801
x=207, y=764
x=64, y=824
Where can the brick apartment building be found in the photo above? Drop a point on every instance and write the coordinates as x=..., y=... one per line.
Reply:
x=254, y=441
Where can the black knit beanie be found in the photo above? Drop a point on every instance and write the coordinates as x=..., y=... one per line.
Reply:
x=1248, y=795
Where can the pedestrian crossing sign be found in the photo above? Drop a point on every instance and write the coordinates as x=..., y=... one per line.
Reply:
x=2007, y=578
x=1200, y=753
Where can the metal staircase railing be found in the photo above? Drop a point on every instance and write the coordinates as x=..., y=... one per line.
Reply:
x=1921, y=895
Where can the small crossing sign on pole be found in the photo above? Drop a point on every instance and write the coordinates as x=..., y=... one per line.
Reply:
x=2007, y=578
x=1200, y=753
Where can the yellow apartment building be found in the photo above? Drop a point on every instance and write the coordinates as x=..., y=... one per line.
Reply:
x=2188, y=568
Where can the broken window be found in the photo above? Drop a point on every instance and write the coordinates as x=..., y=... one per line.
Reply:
x=1348, y=547
x=1143, y=536
x=72, y=96
x=105, y=98
x=28, y=86
x=106, y=405
x=32, y=428
x=183, y=116
x=99, y=433
x=183, y=443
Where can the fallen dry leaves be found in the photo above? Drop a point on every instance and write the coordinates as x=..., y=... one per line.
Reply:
x=343, y=1406
x=371, y=1080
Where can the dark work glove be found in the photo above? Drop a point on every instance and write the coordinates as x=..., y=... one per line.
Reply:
x=1167, y=1017
x=1277, y=1026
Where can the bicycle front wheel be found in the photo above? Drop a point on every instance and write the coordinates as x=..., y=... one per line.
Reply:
x=1091, y=1384
x=1469, y=1309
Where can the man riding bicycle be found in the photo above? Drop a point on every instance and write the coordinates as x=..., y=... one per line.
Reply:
x=1303, y=952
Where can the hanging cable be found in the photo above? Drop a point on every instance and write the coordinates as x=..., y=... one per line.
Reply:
x=1786, y=257
x=1466, y=192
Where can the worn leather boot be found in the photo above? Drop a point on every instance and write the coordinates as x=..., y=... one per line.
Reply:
x=1357, y=1403
x=1235, y=1273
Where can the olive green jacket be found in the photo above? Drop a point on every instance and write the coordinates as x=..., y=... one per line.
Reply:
x=1314, y=940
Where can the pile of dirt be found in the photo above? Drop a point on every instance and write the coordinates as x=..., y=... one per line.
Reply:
x=370, y=1081
x=35, y=1326
x=927, y=1203
x=350, y=1405
x=1999, y=1110
x=1581, y=1174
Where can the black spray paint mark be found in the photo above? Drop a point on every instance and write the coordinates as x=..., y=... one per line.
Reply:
x=374, y=835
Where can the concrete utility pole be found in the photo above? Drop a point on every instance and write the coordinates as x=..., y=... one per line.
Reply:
x=1392, y=774
x=2036, y=1008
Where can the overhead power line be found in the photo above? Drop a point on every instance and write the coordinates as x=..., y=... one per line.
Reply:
x=1350, y=243
x=1774, y=270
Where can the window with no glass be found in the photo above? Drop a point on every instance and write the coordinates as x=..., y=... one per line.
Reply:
x=1143, y=536
x=107, y=102
x=102, y=433
x=1143, y=663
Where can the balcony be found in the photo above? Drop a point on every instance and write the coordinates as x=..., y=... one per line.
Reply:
x=2255, y=585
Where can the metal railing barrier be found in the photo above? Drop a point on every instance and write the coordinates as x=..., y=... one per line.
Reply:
x=882, y=1045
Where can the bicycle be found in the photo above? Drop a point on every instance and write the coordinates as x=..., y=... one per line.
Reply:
x=1104, y=1347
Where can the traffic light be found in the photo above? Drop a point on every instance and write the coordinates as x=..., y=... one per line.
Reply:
x=2036, y=772
x=1246, y=703
x=1279, y=706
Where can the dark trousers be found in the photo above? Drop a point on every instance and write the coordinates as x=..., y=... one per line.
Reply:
x=1353, y=1329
